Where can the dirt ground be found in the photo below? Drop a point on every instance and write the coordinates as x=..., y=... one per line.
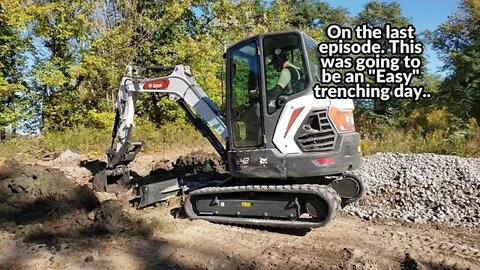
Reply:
x=50, y=218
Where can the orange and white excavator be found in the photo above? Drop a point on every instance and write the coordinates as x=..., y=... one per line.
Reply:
x=288, y=154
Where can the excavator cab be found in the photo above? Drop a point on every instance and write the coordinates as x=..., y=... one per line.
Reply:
x=253, y=71
x=252, y=75
x=274, y=120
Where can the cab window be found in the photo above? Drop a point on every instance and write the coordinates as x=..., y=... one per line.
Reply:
x=285, y=67
x=245, y=96
x=313, y=57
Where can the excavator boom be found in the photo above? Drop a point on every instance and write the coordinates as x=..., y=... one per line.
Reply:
x=181, y=87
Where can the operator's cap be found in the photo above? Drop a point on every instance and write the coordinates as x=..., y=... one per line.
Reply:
x=278, y=55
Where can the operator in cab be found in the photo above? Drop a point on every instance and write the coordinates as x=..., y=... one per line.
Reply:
x=288, y=79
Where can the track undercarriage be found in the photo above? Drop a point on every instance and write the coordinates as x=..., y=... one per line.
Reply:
x=295, y=206
x=245, y=202
x=287, y=206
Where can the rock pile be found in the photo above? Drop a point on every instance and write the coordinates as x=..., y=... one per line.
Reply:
x=420, y=188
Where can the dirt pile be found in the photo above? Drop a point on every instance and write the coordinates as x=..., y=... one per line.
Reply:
x=8, y=167
x=42, y=205
x=420, y=188
x=71, y=164
x=204, y=166
x=26, y=183
x=200, y=161
x=193, y=163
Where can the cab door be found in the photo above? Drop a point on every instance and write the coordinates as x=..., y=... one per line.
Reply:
x=248, y=155
x=244, y=110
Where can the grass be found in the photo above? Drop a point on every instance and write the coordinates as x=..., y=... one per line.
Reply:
x=94, y=142
x=178, y=137
x=412, y=141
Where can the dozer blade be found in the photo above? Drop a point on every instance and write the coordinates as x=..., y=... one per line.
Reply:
x=158, y=192
x=166, y=189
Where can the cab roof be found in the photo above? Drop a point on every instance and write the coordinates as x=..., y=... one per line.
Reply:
x=278, y=40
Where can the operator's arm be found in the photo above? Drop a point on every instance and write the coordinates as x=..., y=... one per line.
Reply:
x=284, y=78
x=282, y=82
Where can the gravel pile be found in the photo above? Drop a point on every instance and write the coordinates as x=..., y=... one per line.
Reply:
x=420, y=188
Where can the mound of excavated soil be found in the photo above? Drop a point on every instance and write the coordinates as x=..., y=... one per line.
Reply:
x=29, y=182
x=8, y=167
x=199, y=161
x=43, y=205
x=195, y=163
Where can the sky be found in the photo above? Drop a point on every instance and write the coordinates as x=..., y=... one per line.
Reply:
x=424, y=15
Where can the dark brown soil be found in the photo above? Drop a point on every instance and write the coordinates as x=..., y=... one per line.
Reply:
x=41, y=205
x=194, y=163
x=49, y=222
x=206, y=167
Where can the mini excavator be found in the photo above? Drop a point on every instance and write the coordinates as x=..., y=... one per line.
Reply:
x=288, y=154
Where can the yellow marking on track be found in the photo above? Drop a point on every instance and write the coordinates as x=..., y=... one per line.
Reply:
x=246, y=204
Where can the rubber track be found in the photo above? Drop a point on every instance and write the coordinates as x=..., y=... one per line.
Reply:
x=325, y=192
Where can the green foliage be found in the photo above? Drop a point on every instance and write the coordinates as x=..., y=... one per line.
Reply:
x=78, y=50
x=458, y=41
x=94, y=141
x=12, y=45
x=240, y=82
x=424, y=130
x=315, y=13
x=100, y=120
x=61, y=113
x=376, y=13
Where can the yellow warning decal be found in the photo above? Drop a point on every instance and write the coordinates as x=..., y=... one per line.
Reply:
x=246, y=204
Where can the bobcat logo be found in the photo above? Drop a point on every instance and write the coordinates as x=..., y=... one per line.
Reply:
x=263, y=161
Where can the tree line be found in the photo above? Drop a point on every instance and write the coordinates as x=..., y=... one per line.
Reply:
x=60, y=61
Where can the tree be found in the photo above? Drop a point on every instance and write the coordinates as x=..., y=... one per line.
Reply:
x=62, y=30
x=316, y=14
x=458, y=42
x=377, y=14
x=12, y=60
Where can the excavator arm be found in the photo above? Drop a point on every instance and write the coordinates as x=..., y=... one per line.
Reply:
x=181, y=87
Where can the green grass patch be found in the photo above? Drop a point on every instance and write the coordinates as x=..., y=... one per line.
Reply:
x=463, y=142
x=176, y=137
x=95, y=141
